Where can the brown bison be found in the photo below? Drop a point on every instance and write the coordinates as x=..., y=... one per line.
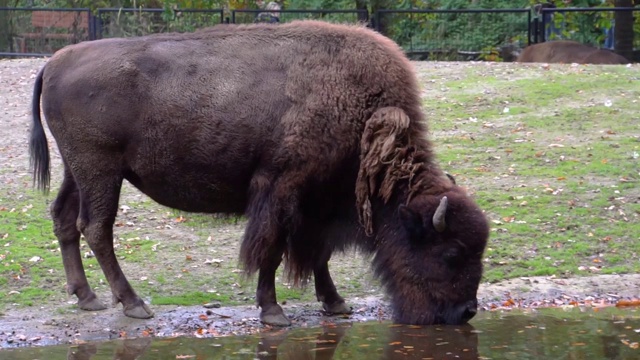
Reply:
x=563, y=51
x=313, y=131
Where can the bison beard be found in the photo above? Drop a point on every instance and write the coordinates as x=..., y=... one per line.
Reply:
x=314, y=131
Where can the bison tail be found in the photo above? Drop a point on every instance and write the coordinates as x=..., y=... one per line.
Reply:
x=384, y=147
x=38, y=147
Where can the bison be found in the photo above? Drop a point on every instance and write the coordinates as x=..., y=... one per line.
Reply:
x=313, y=131
x=563, y=51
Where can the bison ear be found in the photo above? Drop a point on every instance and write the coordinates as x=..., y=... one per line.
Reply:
x=411, y=221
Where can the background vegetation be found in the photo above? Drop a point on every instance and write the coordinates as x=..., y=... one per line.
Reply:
x=433, y=36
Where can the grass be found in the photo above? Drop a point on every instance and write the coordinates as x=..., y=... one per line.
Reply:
x=557, y=175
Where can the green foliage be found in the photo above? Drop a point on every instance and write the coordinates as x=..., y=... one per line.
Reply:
x=451, y=36
x=444, y=34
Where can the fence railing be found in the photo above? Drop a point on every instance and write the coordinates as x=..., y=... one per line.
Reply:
x=455, y=34
x=482, y=34
x=593, y=26
x=136, y=22
x=42, y=31
x=245, y=16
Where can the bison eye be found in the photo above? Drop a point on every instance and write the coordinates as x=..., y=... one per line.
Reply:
x=452, y=256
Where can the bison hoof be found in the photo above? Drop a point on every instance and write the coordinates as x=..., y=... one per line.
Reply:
x=274, y=316
x=338, y=307
x=140, y=311
x=91, y=304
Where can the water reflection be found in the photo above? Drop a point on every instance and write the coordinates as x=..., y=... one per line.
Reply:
x=386, y=341
x=447, y=342
x=129, y=349
x=545, y=335
x=319, y=346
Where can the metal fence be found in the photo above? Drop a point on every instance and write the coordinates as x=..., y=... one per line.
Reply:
x=455, y=34
x=246, y=16
x=486, y=34
x=42, y=31
x=593, y=26
x=137, y=22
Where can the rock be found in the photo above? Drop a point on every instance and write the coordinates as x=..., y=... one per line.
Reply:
x=212, y=305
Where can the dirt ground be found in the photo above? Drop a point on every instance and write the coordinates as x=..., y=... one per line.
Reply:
x=47, y=326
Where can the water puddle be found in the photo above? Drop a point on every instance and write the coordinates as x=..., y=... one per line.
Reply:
x=545, y=334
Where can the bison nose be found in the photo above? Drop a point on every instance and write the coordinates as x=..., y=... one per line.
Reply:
x=469, y=310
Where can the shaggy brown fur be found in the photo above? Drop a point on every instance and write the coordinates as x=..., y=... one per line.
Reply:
x=562, y=51
x=308, y=128
x=384, y=144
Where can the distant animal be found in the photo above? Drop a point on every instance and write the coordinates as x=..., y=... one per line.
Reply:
x=270, y=15
x=563, y=51
x=313, y=130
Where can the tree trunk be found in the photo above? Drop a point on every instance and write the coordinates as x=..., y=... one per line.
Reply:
x=623, y=33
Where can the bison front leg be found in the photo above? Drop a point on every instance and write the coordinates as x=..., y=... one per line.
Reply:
x=272, y=214
x=64, y=212
x=326, y=291
x=98, y=210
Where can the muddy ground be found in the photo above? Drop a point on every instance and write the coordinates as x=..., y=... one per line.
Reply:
x=43, y=325
x=30, y=328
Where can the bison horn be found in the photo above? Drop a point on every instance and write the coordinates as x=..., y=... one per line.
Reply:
x=453, y=180
x=438, y=217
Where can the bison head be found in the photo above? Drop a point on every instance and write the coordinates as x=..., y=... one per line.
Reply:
x=432, y=268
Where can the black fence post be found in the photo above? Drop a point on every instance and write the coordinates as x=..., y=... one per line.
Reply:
x=534, y=30
x=529, y=28
x=98, y=24
x=92, y=26
x=542, y=31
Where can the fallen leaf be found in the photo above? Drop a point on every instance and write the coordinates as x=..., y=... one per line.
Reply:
x=624, y=303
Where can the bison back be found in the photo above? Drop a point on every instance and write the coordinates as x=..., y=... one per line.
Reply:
x=223, y=108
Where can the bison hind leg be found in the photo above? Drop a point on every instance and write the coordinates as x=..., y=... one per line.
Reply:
x=64, y=212
x=99, y=193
